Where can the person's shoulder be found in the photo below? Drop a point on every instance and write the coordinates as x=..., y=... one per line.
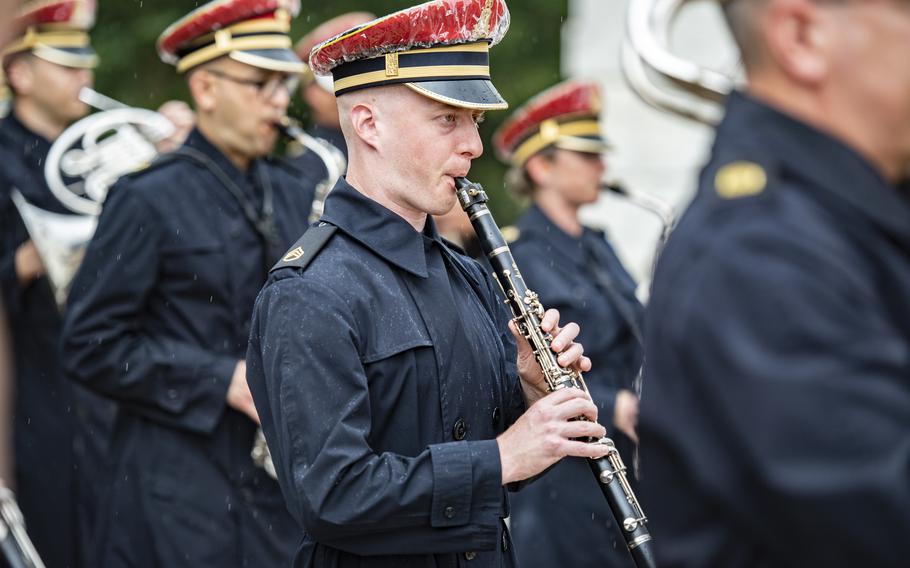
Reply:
x=162, y=173
x=748, y=221
x=326, y=256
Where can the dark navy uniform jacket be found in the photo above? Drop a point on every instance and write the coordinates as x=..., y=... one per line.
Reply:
x=383, y=372
x=159, y=316
x=775, y=426
x=49, y=444
x=584, y=279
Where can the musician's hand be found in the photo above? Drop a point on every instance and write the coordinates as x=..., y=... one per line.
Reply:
x=571, y=354
x=543, y=435
x=28, y=264
x=183, y=119
x=625, y=414
x=238, y=395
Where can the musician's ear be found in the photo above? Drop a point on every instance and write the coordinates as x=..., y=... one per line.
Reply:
x=357, y=113
x=19, y=74
x=202, y=89
x=539, y=168
x=799, y=35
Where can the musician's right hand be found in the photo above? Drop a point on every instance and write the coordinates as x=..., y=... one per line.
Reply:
x=625, y=414
x=544, y=435
x=239, y=396
x=29, y=266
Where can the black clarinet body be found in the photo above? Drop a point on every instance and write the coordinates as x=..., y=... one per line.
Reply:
x=527, y=313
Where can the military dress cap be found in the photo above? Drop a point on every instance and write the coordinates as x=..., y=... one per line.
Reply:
x=56, y=31
x=439, y=49
x=254, y=32
x=566, y=116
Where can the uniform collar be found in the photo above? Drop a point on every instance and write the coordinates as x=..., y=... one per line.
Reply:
x=801, y=150
x=536, y=222
x=379, y=229
x=31, y=146
x=197, y=141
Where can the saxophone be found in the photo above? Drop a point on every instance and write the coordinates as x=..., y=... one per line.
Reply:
x=527, y=313
x=15, y=546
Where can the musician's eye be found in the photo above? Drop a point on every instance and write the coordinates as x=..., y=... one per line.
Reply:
x=449, y=118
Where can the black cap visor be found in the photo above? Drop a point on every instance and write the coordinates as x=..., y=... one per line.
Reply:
x=479, y=94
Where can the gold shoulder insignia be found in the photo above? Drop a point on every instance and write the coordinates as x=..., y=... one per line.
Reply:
x=511, y=233
x=740, y=179
x=293, y=255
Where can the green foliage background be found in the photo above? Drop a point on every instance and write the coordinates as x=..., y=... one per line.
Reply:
x=527, y=61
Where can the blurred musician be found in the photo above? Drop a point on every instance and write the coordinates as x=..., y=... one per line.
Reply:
x=159, y=312
x=48, y=60
x=555, y=145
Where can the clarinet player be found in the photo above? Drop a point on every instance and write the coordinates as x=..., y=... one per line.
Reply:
x=397, y=405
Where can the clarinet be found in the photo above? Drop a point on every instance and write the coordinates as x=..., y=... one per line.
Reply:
x=527, y=312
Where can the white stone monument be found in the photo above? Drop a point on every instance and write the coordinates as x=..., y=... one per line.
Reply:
x=654, y=152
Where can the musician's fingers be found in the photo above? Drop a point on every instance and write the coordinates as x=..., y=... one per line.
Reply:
x=583, y=364
x=570, y=355
x=550, y=321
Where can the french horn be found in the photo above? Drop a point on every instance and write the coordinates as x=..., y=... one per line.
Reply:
x=663, y=79
x=82, y=164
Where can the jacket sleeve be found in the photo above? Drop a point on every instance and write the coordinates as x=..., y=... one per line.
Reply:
x=10, y=233
x=797, y=375
x=106, y=345
x=312, y=393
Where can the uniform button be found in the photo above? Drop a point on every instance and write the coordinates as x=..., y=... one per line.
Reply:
x=470, y=555
x=172, y=394
x=449, y=512
x=460, y=429
x=497, y=416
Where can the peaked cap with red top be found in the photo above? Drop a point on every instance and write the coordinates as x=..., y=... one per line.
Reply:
x=440, y=49
x=254, y=32
x=566, y=116
x=56, y=31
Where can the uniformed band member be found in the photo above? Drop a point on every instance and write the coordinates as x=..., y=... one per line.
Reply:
x=554, y=145
x=776, y=403
x=380, y=359
x=316, y=90
x=159, y=312
x=48, y=60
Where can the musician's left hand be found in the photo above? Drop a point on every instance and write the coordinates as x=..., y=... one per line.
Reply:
x=183, y=118
x=571, y=354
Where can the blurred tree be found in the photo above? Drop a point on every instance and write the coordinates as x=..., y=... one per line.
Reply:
x=527, y=61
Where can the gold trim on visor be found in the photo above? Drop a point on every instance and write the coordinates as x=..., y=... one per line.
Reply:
x=267, y=63
x=413, y=73
x=60, y=38
x=226, y=45
x=550, y=133
x=66, y=58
